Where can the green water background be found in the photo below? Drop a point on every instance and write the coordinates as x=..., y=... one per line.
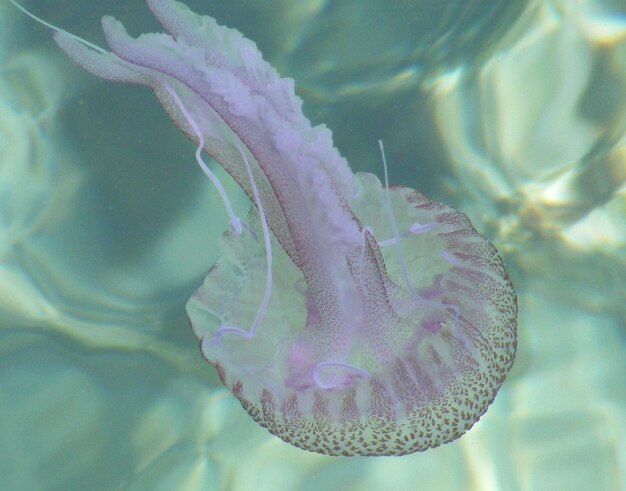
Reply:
x=512, y=111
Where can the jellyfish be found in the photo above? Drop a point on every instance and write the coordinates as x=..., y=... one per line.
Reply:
x=349, y=317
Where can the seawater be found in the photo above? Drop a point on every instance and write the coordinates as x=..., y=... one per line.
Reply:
x=513, y=112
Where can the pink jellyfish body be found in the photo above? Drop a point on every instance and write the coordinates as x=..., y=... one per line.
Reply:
x=348, y=318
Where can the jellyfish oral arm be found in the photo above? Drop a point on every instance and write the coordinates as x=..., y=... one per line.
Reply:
x=306, y=175
x=303, y=179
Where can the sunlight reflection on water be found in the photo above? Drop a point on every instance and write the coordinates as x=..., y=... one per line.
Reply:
x=516, y=117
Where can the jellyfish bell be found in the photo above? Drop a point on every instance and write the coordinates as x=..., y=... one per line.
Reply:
x=415, y=384
x=348, y=317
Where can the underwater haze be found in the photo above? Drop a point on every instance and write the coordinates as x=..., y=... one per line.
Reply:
x=511, y=111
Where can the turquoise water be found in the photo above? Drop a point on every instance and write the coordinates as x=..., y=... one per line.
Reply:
x=513, y=112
